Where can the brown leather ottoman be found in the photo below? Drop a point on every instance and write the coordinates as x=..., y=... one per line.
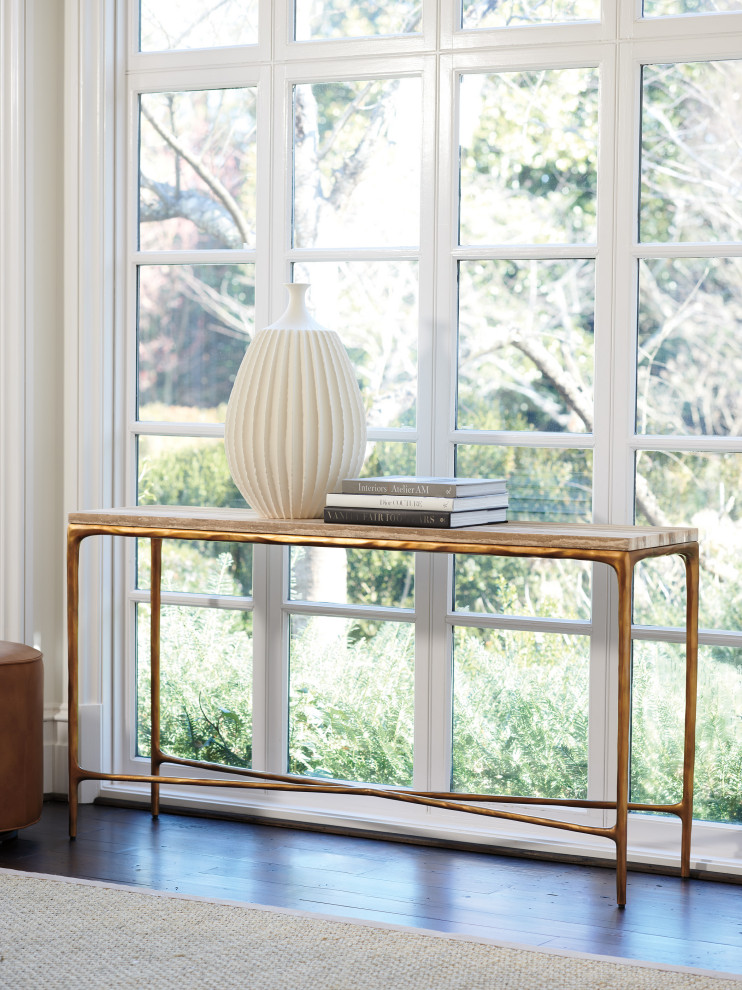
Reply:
x=21, y=736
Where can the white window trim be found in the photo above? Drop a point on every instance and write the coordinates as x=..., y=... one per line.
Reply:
x=93, y=352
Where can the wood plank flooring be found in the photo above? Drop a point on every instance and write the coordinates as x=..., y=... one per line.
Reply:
x=555, y=905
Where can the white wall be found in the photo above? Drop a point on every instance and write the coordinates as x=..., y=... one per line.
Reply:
x=45, y=317
x=31, y=370
x=44, y=171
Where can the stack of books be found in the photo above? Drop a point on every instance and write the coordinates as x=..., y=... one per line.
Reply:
x=442, y=503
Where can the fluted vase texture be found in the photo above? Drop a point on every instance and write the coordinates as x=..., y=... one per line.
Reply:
x=295, y=421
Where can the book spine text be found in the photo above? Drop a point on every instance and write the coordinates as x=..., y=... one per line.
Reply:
x=361, y=487
x=387, y=517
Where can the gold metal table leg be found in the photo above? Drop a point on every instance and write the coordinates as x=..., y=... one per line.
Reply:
x=691, y=558
x=624, y=571
x=154, y=646
x=73, y=731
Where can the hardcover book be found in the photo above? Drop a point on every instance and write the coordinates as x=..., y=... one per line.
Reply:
x=424, y=486
x=413, y=517
x=435, y=503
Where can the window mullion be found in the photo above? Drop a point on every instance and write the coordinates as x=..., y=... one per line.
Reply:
x=443, y=339
x=435, y=452
x=270, y=660
x=608, y=407
x=433, y=709
x=623, y=358
x=270, y=564
x=432, y=714
x=620, y=361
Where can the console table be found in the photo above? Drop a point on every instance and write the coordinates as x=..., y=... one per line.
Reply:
x=620, y=547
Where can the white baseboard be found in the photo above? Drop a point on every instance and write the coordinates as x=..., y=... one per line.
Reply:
x=56, y=777
x=55, y=749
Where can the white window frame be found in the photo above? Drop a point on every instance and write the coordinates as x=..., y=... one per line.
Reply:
x=101, y=236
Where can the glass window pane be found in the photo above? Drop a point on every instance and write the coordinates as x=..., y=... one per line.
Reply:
x=199, y=567
x=316, y=19
x=658, y=704
x=679, y=489
x=515, y=13
x=544, y=484
x=657, y=707
x=520, y=713
x=659, y=591
x=690, y=329
x=550, y=589
x=374, y=308
x=690, y=155
x=525, y=357
x=357, y=163
x=389, y=457
x=674, y=8
x=206, y=684
x=717, y=796
x=353, y=577
x=351, y=700
x=197, y=24
x=528, y=153
x=197, y=170
x=195, y=322
x=185, y=471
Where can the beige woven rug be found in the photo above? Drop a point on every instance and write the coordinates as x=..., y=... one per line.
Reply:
x=61, y=933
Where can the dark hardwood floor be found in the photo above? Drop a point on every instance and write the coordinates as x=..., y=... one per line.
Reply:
x=556, y=905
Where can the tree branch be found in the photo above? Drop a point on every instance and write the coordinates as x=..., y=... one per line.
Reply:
x=573, y=395
x=570, y=391
x=217, y=187
x=206, y=213
x=225, y=308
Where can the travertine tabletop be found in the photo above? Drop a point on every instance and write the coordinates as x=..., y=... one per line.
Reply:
x=573, y=536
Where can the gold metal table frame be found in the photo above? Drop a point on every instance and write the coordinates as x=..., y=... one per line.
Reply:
x=620, y=547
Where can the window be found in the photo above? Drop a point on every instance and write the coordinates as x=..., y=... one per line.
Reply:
x=525, y=229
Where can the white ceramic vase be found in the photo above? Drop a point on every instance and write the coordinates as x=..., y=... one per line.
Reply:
x=295, y=421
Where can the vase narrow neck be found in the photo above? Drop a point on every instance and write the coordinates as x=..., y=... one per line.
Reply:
x=296, y=315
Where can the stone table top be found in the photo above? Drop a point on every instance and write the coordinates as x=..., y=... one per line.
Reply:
x=246, y=523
